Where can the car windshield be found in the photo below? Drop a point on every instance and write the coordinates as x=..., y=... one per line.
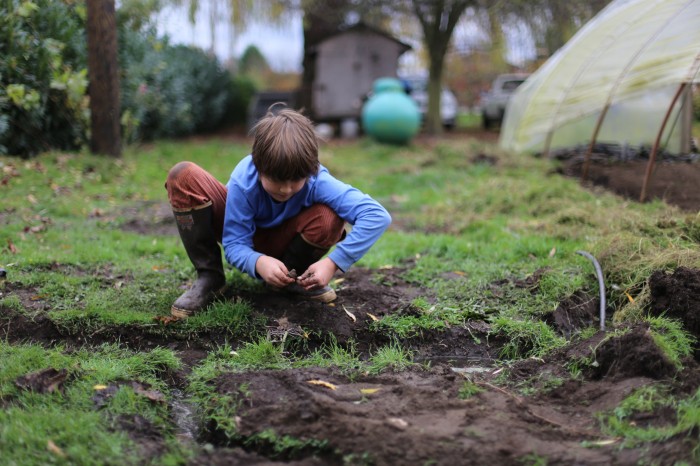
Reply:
x=512, y=85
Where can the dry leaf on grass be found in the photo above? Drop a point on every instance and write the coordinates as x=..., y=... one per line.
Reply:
x=55, y=449
x=166, y=320
x=43, y=381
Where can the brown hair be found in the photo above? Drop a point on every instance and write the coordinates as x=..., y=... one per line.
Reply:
x=285, y=147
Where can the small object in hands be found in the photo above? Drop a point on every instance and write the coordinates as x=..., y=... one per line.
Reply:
x=292, y=274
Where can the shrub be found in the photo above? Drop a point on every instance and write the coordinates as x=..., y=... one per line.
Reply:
x=170, y=91
x=166, y=91
x=43, y=78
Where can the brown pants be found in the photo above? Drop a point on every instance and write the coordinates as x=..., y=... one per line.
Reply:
x=191, y=187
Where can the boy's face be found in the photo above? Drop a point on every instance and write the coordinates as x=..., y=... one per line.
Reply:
x=281, y=191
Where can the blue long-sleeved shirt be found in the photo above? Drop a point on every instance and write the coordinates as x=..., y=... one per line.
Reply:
x=248, y=207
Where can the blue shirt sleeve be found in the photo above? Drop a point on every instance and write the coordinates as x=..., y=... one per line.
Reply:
x=239, y=228
x=368, y=218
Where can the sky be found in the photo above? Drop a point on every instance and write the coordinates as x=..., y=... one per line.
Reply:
x=282, y=45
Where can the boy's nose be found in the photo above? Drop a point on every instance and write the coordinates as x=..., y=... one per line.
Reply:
x=287, y=188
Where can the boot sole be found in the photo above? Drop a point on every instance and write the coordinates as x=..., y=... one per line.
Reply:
x=180, y=313
x=185, y=313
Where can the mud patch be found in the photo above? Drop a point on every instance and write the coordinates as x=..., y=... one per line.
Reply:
x=575, y=313
x=417, y=417
x=677, y=296
x=673, y=182
x=149, y=218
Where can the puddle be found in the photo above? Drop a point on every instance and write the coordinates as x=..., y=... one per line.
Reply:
x=184, y=417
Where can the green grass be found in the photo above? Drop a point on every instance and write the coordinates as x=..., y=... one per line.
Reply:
x=68, y=417
x=645, y=401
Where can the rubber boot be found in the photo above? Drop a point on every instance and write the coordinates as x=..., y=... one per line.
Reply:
x=299, y=256
x=202, y=248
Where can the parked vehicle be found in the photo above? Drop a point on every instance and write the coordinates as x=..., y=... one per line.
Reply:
x=495, y=102
x=417, y=88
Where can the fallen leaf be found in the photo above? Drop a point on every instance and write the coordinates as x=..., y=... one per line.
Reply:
x=55, y=449
x=350, y=314
x=397, y=422
x=602, y=443
x=43, y=381
x=373, y=317
x=99, y=387
x=11, y=246
x=552, y=252
x=338, y=281
x=458, y=272
x=369, y=391
x=166, y=320
x=323, y=383
x=629, y=297
x=31, y=199
x=144, y=390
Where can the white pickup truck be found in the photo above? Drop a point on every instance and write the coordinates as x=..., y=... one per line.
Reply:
x=494, y=102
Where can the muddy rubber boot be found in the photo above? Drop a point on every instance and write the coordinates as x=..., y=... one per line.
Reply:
x=299, y=256
x=202, y=248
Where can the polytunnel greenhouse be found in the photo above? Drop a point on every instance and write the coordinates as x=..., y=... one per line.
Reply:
x=625, y=80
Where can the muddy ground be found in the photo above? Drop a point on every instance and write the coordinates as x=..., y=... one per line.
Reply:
x=417, y=416
x=525, y=412
x=673, y=182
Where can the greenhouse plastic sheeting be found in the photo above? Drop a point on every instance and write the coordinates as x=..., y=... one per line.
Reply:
x=626, y=64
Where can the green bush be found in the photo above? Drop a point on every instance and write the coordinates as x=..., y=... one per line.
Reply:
x=170, y=90
x=43, y=78
x=166, y=91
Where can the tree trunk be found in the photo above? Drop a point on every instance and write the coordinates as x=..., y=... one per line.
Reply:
x=103, y=73
x=438, y=19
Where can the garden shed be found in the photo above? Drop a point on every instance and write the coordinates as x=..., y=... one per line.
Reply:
x=625, y=79
x=346, y=65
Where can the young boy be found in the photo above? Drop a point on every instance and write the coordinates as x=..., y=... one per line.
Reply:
x=277, y=218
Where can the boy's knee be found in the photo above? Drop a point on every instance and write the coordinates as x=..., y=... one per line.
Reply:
x=327, y=227
x=177, y=169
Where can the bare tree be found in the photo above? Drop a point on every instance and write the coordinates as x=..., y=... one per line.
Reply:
x=103, y=73
x=438, y=19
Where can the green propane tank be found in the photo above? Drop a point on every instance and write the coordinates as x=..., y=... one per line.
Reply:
x=390, y=116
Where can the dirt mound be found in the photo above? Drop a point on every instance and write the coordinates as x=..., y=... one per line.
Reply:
x=632, y=354
x=577, y=312
x=677, y=295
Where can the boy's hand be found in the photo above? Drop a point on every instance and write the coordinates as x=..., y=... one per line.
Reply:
x=273, y=271
x=318, y=274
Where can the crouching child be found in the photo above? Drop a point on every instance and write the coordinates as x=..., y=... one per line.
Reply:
x=278, y=216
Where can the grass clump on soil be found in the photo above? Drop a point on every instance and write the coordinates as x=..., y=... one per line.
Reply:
x=669, y=336
x=525, y=338
x=75, y=414
x=651, y=414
